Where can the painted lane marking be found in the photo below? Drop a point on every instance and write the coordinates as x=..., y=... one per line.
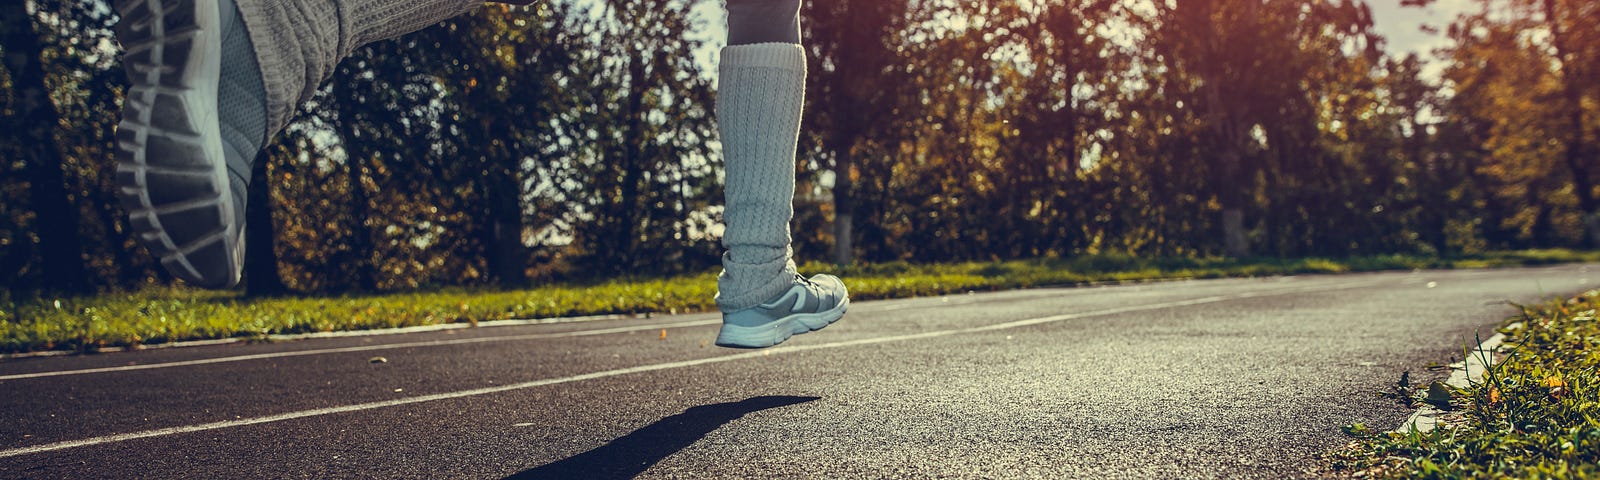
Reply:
x=363, y=348
x=650, y=368
x=929, y=302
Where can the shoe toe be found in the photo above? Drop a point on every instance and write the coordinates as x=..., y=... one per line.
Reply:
x=832, y=285
x=213, y=265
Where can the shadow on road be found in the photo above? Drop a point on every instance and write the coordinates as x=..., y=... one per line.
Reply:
x=630, y=455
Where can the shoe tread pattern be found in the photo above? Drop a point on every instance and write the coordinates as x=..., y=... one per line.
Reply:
x=173, y=188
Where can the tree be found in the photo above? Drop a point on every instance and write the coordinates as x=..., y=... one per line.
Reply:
x=516, y=60
x=1243, y=65
x=261, y=240
x=1564, y=20
x=852, y=54
x=1063, y=101
x=1511, y=100
x=60, y=244
x=646, y=163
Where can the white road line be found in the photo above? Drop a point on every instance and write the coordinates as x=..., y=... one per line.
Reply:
x=649, y=368
x=364, y=348
x=438, y=343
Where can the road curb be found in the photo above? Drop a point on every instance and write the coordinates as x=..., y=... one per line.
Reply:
x=1463, y=374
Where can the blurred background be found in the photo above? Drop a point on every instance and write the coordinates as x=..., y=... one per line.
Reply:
x=574, y=139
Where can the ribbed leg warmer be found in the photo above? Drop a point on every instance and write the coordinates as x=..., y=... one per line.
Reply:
x=299, y=42
x=761, y=92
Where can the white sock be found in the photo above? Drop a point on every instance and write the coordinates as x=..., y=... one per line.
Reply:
x=761, y=92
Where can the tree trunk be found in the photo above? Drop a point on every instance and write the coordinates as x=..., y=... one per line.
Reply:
x=630, y=206
x=1435, y=197
x=358, y=259
x=1234, y=241
x=507, y=256
x=844, y=209
x=1232, y=195
x=14, y=259
x=361, y=243
x=1223, y=119
x=57, y=219
x=1540, y=233
x=261, y=274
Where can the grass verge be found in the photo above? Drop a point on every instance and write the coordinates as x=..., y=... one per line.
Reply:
x=1536, y=414
x=173, y=314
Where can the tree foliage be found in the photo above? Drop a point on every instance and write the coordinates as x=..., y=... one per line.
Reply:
x=574, y=139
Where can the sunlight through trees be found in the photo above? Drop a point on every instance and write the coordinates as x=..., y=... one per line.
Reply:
x=573, y=139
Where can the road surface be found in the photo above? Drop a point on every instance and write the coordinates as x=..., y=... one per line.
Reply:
x=1232, y=378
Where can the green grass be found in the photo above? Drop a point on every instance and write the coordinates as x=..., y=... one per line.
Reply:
x=174, y=314
x=1536, y=414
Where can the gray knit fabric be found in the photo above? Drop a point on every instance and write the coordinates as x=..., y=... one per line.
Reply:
x=761, y=90
x=299, y=42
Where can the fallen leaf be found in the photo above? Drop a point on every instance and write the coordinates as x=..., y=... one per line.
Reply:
x=1556, y=385
x=1438, y=394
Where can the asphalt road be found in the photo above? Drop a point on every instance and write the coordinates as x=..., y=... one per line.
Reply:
x=1236, y=378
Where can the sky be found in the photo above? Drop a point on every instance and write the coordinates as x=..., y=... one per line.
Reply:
x=1402, y=26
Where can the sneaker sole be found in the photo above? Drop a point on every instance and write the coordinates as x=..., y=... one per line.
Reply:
x=171, y=175
x=777, y=331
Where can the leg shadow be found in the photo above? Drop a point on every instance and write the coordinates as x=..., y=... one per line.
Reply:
x=630, y=455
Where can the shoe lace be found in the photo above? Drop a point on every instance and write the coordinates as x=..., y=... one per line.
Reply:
x=812, y=286
x=817, y=290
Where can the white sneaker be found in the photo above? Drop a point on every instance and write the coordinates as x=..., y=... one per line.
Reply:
x=172, y=176
x=810, y=304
